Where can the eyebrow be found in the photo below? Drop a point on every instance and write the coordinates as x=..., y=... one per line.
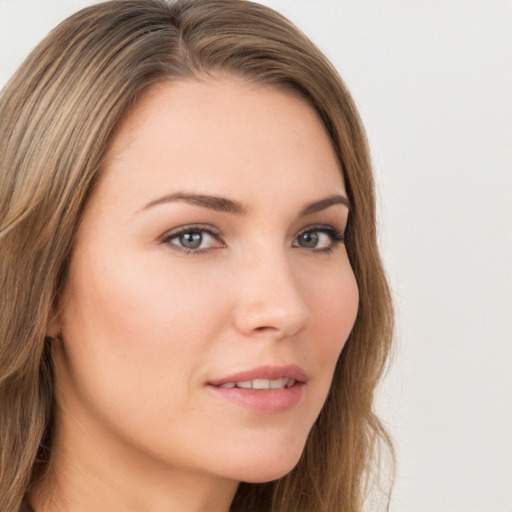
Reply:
x=318, y=206
x=219, y=204
x=222, y=204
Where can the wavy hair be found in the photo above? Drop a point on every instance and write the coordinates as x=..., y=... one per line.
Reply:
x=58, y=114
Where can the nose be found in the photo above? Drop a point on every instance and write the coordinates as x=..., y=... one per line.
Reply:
x=269, y=299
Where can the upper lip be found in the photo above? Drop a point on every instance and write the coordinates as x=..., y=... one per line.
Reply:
x=291, y=371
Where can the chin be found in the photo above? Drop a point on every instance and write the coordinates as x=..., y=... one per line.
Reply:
x=265, y=467
x=265, y=476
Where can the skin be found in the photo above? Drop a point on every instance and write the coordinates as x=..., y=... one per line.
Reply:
x=146, y=325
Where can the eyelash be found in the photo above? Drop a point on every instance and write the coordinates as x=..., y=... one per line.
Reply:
x=191, y=228
x=337, y=237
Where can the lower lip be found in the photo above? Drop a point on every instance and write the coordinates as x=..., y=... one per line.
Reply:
x=265, y=401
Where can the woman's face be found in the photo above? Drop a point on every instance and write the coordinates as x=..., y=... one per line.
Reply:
x=209, y=263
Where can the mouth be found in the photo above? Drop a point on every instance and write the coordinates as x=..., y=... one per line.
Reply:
x=267, y=389
x=264, y=377
x=260, y=384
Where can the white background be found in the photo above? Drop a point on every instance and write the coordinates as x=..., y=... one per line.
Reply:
x=433, y=80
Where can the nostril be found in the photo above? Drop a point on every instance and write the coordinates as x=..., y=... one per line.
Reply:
x=262, y=328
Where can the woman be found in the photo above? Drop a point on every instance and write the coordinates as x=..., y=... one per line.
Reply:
x=190, y=320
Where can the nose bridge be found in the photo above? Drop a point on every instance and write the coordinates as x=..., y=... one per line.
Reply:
x=269, y=300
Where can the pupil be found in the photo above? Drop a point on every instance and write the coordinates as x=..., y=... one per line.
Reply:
x=191, y=240
x=309, y=239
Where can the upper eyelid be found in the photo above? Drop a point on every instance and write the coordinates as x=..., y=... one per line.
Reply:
x=318, y=226
x=337, y=235
x=168, y=237
x=321, y=227
x=208, y=228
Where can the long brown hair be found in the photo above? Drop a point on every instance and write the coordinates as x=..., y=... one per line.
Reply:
x=57, y=116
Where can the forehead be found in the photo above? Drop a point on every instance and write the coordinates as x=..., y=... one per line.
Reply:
x=217, y=135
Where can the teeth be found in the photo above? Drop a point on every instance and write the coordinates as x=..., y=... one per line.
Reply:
x=261, y=384
x=277, y=383
x=227, y=385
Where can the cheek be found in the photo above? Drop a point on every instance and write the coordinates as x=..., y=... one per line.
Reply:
x=135, y=345
x=135, y=330
x=334, y=309
x=137, y=305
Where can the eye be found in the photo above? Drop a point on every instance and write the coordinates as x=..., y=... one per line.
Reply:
x=195, y=239
x=319, y=238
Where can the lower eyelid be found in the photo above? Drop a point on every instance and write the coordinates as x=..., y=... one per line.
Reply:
x=336, y=238
x=212, y=237
x=173, y=233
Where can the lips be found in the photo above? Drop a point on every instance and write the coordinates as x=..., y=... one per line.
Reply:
x=267, y=389
x=275, y=376
x=260, y=384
